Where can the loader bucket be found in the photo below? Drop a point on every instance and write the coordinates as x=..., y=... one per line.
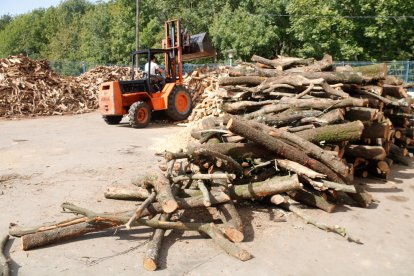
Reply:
x=200, y=47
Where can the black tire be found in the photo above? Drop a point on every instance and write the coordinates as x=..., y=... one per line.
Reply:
x=139, y=114
x=180, y=104
x=112, y=120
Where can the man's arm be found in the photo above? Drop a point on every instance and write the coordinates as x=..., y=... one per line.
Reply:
x=158, y=69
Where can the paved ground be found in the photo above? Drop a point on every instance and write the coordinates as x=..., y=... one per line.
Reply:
x=73, y=158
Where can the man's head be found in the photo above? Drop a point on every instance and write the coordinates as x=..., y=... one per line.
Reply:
x=153, y=58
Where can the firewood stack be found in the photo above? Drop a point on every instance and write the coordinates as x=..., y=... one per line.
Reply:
x=203, y=84
x=31, y=88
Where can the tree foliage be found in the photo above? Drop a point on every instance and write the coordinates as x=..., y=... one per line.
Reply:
x=104, y=32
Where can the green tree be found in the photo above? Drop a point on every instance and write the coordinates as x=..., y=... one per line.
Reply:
x=319, y=28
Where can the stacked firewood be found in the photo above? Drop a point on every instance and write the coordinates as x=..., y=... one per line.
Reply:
x=31, y=88
x=203, y=85
x=92, y=79
x=294, y=132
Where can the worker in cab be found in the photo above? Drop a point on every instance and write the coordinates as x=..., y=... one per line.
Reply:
x=156, y=78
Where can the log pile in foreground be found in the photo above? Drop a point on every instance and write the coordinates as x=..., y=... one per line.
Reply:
x=31, y=88
x=294, y=132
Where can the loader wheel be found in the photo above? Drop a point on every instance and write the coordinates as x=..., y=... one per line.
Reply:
x=112, y=120
x=139, y=114
x=179, y=104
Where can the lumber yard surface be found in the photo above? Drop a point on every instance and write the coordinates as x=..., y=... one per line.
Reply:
x=47, y=161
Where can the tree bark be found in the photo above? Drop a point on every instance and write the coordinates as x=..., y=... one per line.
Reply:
x=284, y=150
x=154, y=246
x=376, y=131
x=237, y=151
x=372, y=72
x=163, y=188
x=311, y=199
x=233, y=225
x=394, y=91
x=283, y=63
x=334, y=133
x=126, y=193
x=245, y=80
x=298, y=168
x=362, y=114
x=271, y=186
x=245, y=106
x=367, y=152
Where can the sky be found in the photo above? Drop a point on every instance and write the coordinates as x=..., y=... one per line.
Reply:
x=14, y=7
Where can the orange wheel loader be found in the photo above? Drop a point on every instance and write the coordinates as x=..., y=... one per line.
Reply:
x=139, y=98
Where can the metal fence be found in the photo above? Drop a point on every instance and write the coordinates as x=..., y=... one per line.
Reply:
x=401, y=69
x=75, y=68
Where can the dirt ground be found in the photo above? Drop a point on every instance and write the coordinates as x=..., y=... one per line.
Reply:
x=47, y=161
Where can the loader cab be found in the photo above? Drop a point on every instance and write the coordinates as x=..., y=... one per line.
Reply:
x=141, y=57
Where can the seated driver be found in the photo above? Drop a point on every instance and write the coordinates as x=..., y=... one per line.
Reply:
x=156, y=71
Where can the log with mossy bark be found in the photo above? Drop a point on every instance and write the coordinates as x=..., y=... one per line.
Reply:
x=367, y=152
x=330, y=77
x=334, y=133
x=245, y=129
x=307, y=147
x=162, y=187
x=318, y=104
x=270, y=185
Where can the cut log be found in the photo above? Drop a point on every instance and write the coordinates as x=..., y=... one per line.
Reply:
x=244, y=106
x=394, y=91
x=397, y=155
x=246, y=80
x=233, y=225
x=126, y=193
x=237, y=151
x=335, y=92
x=329, y=77
x=367, y=152
x=375, y=131
x=298, y=168
x=362, y=114
x=372, y=72
x=154, y=246
x=163, y=189
x=334, y=133
x=282, y=63
x=333, y=116
x=309, y=148
x=311, y=199
x=325, y=64
x=271, y=186
x=323, y=104
x=245, y=129
x=339, y=187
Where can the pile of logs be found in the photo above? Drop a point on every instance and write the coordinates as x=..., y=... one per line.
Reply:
x=31, y=88
x=306, y=97
x=294, y=132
